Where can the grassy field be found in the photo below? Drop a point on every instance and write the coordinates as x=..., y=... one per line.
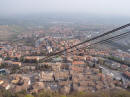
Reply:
x=9, y=32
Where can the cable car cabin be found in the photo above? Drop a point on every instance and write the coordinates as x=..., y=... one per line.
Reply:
x=3, y=72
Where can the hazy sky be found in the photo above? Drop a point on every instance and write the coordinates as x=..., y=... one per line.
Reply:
x=105, y=7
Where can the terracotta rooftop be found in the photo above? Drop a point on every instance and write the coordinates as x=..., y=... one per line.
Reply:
x=127, y=73
x=78, y=62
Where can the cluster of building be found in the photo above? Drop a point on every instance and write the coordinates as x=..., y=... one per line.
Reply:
x=23, y=67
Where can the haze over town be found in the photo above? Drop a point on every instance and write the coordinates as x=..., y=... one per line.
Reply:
x=99, y=7
x=64, y=48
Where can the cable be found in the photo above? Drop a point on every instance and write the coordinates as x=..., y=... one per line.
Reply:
x=104, y=34
x=102, y=41
x=120, y=36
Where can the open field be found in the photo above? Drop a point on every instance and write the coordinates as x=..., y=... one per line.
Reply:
x=9, y=32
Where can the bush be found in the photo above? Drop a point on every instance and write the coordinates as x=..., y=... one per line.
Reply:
x=111, y=93
x=29, y=95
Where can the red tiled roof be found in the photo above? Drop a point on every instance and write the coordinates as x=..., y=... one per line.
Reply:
x=127, y=73
x=78, y=62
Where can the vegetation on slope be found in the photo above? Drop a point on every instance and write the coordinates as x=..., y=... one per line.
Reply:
x=112, y=93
